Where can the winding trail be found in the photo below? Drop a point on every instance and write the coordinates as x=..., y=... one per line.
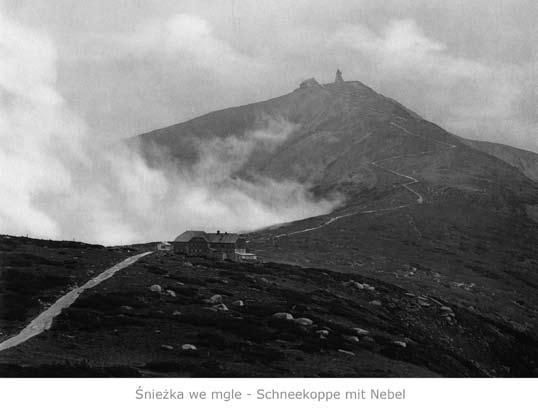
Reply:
x=44, y=320
x=406, y=185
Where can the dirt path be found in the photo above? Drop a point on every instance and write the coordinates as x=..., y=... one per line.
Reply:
x=44, y=320
x=406, y=185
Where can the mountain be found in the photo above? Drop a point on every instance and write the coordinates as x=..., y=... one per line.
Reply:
x=424, y=209
x=426, y=268
x=341, y=132
x=525, y=161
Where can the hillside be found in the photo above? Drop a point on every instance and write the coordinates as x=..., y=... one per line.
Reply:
x=340, y=132
x=137, y=323
x=525, y=161
x=416, y=196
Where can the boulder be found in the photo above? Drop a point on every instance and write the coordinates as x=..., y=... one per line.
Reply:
x=375, y=302
x=283, y=316
x=304, y=321
x=171, y=293
x=188, y=347
x=167, y=347
x=360, y=331
x=156, y=288
x=176, y=313
x=352, y=339
x=238, y=303
x=400, y=343
x=216, y=299
x=220, y=307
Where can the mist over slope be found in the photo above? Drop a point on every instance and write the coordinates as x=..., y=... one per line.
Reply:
x=340, y=130
x=61, y=181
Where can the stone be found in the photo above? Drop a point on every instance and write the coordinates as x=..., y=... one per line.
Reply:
x=283, y=316
x=216, y=299
x=400, y=343
x=360, y=331
x=188, y=347
x=167, y=347
x=375, y=302
x=238, y=303
x=156, y=288
x=447, y=309
x=126, y=307
x=349, y=353
x=220, y=307
x=352, y=339
x=322, y=332
x=304, y=321
x=176, y=313
x=171, y=293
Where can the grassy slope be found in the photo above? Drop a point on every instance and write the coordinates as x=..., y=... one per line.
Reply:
x=118, y=328
x=34, y=273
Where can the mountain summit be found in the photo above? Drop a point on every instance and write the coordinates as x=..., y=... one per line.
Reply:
x=423, y=208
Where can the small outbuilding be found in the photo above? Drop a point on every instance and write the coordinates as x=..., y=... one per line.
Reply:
x=164, y=246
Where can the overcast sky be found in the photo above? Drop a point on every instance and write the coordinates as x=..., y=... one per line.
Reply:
x=130, y=66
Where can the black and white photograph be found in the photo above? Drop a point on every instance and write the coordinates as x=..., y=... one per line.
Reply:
x=268, y=189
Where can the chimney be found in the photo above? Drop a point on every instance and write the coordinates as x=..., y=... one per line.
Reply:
x=338, y=78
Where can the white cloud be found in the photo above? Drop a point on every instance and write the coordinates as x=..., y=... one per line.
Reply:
x=60, y=181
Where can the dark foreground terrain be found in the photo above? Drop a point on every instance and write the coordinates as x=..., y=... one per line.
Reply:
x=142, y=321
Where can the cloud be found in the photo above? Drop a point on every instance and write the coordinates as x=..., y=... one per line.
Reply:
x=61, y=181
x=465, y=96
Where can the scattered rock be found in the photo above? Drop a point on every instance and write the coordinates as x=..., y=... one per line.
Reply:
x=400, y=343
x=126, y=307
x=176, y=313
x=171, y=293
x=265, y=280
x=167, y=347
x=238, y=303
x=156, y=288
x=368, y=287
x=216, y=299
x=375, y=302
x=188, y=264
x=322, y=332
x=220, y=307
x=304, y=321
x=360, y=331
x=283, y=316
x=352, y=339
x=188, y=347
x=349, y=353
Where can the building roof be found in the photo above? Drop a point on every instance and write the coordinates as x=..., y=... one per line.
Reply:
x=219, y=237
x=188, y=235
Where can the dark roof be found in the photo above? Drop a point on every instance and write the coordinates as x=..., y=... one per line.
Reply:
x=188, y=235
x=223, y=238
